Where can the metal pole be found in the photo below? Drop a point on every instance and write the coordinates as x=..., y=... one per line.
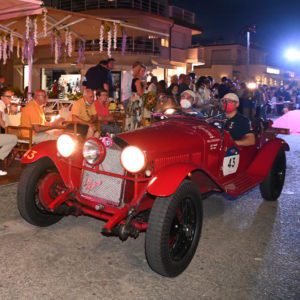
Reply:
x=248, y=55
x=153, y=46
x=132, y=44
x=30, y=77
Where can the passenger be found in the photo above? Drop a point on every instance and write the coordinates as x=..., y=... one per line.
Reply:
x=33, y=116
x=238, y=126
x=187, y=100
x=164, y=103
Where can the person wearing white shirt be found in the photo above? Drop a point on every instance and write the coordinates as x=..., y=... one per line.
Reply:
x=6, y=97
x=127, y=81
x=153, y=85
x=7, y=141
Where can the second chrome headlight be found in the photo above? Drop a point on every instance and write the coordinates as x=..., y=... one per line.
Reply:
x=94, y=151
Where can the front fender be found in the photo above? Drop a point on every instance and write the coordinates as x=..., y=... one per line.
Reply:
x=263, y=161
x=69, y=169
x=39, y=151
x=166, y=181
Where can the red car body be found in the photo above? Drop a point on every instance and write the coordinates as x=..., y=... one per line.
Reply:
x=177, y=149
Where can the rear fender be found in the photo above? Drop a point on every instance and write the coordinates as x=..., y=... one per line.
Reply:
x=69, y=169
x=263, y=161
x=166, y=181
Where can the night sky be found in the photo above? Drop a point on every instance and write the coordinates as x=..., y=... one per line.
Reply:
x=278, y=22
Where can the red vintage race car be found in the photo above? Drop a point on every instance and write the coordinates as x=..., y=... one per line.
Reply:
x=150, y=180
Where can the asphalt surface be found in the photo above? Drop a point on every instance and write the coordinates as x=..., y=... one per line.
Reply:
x=250, y=249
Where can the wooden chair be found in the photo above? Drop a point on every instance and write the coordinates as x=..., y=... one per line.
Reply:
x=119, y=119
x=24, y=143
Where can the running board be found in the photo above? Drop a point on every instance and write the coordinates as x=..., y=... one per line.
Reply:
x=240, y=185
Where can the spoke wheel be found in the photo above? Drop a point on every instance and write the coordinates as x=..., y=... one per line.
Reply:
x=182, y=230
x=174, y=230
x=39, y=185
x=49, y=188
x=272, y=186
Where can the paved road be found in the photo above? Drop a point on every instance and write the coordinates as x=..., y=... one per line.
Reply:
x=250, y=249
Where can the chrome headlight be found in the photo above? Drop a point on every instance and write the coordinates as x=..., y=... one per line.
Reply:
x=65, y=145
x=133, y=159
x=94, y=151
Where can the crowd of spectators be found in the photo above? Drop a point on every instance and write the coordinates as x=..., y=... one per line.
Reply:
x=139, y=98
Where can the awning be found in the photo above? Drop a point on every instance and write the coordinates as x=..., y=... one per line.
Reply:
x=10, y=9
x=166, y=64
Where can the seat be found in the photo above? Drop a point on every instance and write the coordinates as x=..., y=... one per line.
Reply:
x=24, y=143
x=119, y=119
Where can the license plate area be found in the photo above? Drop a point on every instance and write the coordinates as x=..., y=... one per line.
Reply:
x=104, y=188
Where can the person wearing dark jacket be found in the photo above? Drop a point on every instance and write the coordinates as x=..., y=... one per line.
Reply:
x=97, y=77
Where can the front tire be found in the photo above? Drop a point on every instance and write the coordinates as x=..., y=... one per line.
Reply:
x=28, y=198
x=271, y=187
x=174, y=230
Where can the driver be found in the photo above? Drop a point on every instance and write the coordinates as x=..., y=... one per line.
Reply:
x=238, y=126
x=187, y=100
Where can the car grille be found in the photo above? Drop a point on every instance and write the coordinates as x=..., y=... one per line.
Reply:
x=105, y=188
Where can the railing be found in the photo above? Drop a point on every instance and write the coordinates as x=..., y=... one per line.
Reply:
x=232, y=62
x=150, y=6
x=133, y=45
x=181, y=14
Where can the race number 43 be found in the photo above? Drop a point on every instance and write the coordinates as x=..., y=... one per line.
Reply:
x=231, y=161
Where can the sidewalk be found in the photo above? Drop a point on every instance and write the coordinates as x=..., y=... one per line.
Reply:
x=13, y=173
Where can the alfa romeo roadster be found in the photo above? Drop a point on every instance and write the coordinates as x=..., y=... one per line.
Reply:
x=149, y=180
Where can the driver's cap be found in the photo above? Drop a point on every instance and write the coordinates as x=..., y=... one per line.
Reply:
x=232, y=97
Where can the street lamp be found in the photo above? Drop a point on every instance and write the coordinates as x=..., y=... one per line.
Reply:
x=249, y=29
x=293, y=54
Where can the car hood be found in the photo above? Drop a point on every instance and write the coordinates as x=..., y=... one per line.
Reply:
x=172, y=135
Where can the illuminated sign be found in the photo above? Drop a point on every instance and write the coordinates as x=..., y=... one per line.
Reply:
x=273, y=71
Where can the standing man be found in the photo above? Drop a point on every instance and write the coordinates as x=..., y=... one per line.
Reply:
x=183, y=86
x=223, y=88
x=238, y=126
x=127, y=82
x=97, y=77
x=110, y=66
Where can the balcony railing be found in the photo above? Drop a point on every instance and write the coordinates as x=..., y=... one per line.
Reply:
x=150, y=6
x=181, y=14
x=133, y=45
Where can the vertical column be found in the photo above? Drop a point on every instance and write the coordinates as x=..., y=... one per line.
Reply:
x=248, y=54
x=30, y=77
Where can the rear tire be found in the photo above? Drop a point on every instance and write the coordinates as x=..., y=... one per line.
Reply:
x=29, y=205
x=271, y=187
x=174, y=230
